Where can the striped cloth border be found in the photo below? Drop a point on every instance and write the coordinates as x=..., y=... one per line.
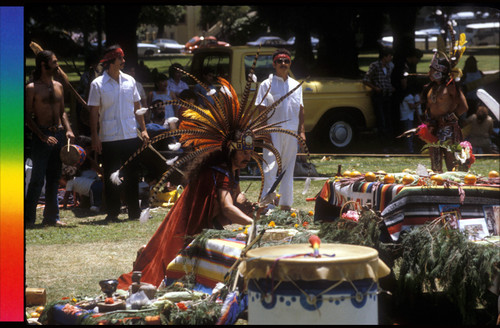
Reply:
x=379, y=195
x=209, y=265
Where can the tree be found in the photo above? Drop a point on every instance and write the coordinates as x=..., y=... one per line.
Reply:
x=237, y=23
x=161, y=16
x=120, y=28
x=337, y=53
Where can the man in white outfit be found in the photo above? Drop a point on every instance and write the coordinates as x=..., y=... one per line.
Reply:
x=291, y=110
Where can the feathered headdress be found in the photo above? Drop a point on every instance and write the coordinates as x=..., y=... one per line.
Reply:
x=225, y=124
x=456, y=50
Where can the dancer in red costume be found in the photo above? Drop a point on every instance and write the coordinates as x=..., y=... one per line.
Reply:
x=223, y=137
x=208, y=201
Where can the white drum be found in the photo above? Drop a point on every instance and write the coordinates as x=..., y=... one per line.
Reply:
x=338, y=288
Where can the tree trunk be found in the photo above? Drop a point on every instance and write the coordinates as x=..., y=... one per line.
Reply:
x=120, y=26
x=337, y=53
x=403, y=26
x=304, y=57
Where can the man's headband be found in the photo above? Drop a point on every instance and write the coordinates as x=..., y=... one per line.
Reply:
x=281, y=56
x=116, y=53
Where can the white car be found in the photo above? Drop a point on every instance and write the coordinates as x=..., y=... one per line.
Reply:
x=146, y=49
x=169, y=45
x=268, y=41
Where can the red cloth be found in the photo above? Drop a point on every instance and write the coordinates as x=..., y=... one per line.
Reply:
x=191, y=213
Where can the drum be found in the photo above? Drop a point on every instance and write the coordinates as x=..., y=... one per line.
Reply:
x=286, y=285
x=72, y=155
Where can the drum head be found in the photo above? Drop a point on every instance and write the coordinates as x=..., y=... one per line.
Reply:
x=72, y=155
x=337, y=262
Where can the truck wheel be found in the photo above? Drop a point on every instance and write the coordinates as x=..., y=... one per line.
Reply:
x=339, y=131
x=148, y=53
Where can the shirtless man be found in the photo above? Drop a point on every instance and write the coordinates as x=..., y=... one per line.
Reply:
x=46, y=118
x=445, y=103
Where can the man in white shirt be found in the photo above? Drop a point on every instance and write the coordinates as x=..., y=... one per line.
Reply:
x=113, y=102
x=291, y=110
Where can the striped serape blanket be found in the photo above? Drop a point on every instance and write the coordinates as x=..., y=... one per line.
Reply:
x=379, y=195
x=209, y=265
x=415, y=206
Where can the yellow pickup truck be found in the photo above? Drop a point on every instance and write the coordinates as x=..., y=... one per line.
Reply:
x=336, y=109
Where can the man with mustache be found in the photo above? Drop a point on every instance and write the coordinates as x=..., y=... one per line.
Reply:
x=291, y=113
x=46, y=118
x=113, y=101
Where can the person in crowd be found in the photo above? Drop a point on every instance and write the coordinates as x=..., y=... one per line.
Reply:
x=479, y=131
x=46, y=118
x=471, y=73
x=163, y=94
x=378, y=78
x=188, y=96
x=175, y=84
x=113, y=101
x=207, y=78
x=401, y=78
x=85, y=179
x=444, y=104
x=92, y=70
x=131, y=70
x=408, y=109
x=291, y=114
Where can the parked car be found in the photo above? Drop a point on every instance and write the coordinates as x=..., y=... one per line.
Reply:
x=169, y=45
x=336, y=109
x=147, y=49
x=204, y=42
x=268, y=41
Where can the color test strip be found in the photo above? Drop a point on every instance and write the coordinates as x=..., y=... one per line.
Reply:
x=12, y=164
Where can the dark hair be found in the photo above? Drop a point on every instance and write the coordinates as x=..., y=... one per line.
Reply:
x=281, y=51
x=187, y=94
x=172, y=70
x=158, y=78
x=106, y=64
x=384, y=51
x=41, y=57
x=68, y=172
x=415, y=52
x=215, y=158
x=470, y=65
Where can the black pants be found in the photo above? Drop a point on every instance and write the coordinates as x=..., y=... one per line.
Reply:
x=114, y=154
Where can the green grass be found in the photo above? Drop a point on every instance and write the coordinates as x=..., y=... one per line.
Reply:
x=71, y=261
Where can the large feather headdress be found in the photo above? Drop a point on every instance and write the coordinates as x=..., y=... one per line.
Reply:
x=225, y=124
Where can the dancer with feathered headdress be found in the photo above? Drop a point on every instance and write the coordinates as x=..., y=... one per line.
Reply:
x=222, y=137
x=444, y=102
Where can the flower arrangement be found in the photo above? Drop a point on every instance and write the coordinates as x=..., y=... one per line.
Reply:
x=465, y=156
x=351, y=215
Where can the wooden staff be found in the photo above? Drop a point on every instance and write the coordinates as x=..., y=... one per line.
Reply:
x=36, y=49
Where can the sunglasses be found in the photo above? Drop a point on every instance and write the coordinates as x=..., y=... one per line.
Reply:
x=282, y=61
